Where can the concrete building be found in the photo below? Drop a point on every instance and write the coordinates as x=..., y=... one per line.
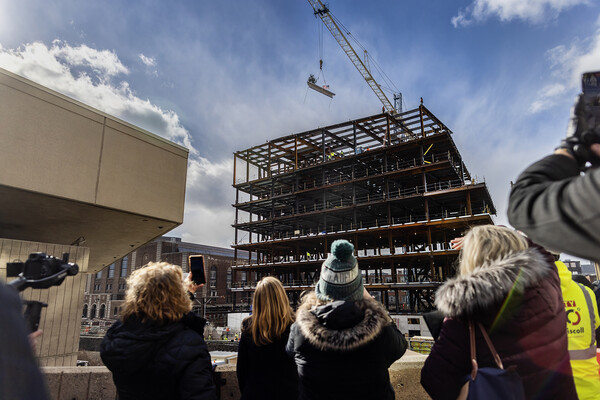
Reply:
x=105, y=290
x=76, y=180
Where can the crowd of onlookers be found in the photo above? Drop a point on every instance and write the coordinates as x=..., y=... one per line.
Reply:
x=340, y=342
x=512, y=323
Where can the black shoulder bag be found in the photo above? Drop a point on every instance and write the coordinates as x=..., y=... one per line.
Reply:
x=490, y=383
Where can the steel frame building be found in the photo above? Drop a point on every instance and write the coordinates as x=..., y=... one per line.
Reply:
x=394, y=185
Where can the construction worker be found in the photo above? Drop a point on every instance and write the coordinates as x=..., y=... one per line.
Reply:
x=582, y=322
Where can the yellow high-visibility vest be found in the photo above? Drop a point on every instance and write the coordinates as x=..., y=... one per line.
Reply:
x=582, y=321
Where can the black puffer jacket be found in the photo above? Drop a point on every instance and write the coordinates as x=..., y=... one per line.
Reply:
x=343, y=350
x=159, y=362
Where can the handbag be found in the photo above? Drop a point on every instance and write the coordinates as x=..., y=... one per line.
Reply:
x=490, y=383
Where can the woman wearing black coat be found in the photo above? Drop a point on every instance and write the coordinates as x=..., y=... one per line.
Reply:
x=264, y=370
x=343, y=340
x=157, y=351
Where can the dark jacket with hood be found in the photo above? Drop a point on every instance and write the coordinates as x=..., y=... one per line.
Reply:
x=518, y=300
x=265, y=372
x=557, y=207
x=343, y=350
x=150, y=361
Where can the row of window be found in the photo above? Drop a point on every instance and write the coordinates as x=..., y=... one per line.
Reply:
x=108, y=287
x=101, y=311
x=111, y=269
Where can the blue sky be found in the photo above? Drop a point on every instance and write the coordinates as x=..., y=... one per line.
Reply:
x=222, y=76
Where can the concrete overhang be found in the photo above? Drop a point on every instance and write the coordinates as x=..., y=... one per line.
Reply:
x=70, y=174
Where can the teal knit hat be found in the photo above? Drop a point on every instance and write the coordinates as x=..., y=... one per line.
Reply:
x=340, y=277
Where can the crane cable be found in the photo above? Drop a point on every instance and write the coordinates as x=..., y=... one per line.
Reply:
x=320, y=25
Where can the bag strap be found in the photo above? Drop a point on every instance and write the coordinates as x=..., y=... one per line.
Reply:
x=491, y=346
x=474, y=366
x=489, y=343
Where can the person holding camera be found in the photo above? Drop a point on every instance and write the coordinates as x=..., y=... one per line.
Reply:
x=157, y=350
x=556, y=200
x=20, y=376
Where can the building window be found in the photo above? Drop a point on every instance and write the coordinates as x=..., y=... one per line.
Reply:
x=122, y=286
x=99, y=274
x=213, y=276
x=108, y=287
x=85, y=310
x=124, y=265
x=116, y=311
x=102, y=310
x=93, y=312
x=244, y=277
x=111, y=270
x=229, y=277
x=97, y=287
x=213, y=293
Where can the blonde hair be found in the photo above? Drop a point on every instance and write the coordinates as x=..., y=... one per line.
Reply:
x=271, y=311
x=487, y=243
x=309, y=300
x=155, y=292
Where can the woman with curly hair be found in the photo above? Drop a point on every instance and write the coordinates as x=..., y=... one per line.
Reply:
x=343, y=340
x=264, y=369
x=156, y=350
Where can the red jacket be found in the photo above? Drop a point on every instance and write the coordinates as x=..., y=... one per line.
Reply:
x=519, y=302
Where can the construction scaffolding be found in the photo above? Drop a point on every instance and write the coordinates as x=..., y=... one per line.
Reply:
x=393, y=185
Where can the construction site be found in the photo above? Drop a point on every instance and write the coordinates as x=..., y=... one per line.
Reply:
x=394, y=185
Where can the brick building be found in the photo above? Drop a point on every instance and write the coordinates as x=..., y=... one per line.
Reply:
x=105, y=290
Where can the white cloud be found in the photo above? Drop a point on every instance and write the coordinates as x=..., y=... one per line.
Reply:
x=88, y=75
x=567, y=63
x=534, y=11
x=148, y=61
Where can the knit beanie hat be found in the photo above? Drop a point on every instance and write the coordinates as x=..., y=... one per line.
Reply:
x=340, y=277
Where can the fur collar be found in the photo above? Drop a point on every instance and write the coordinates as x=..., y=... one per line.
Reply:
x=473, y=294
x=374, y=320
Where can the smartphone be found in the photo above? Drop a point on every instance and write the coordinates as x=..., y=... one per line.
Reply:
x=590, y=85
x=197, y=269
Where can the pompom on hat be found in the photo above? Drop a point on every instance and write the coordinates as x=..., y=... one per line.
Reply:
x=340, y=277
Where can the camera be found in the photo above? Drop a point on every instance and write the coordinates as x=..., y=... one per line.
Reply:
x=40, y=271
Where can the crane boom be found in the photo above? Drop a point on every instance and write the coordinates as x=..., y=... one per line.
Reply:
x=323, y=13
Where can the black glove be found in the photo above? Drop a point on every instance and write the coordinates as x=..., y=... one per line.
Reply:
x=582, y=132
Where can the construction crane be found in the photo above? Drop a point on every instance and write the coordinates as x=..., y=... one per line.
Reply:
x=323, y=12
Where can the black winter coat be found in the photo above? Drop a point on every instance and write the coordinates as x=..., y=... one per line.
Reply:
x=153, y=362
x=343, y=351
x=519, y=302
x=265, y=372
x=558, y=208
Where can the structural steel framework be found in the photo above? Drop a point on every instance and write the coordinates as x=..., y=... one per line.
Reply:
x=393, y=185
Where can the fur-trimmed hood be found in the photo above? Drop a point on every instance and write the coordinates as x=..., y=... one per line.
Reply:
x=472, y=295
x=342, y=325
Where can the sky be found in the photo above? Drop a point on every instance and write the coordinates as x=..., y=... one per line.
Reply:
x=218, y=77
